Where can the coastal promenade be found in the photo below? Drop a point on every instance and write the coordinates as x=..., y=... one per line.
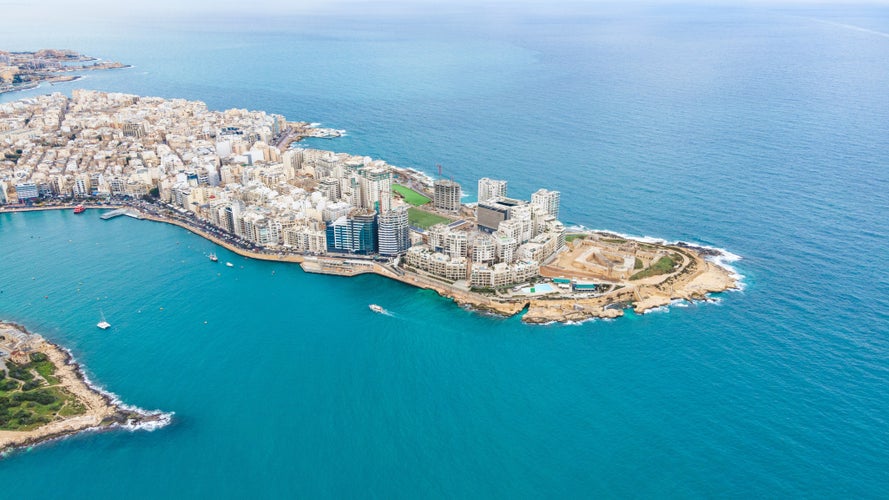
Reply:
x=64, y=206
x=228, y=245
x=694, y=279
x=315, y=264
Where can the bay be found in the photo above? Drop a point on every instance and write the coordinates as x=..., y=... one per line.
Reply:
x=764, y=132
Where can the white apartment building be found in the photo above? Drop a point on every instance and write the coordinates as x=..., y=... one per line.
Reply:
x=490, y=188
x=548, y=200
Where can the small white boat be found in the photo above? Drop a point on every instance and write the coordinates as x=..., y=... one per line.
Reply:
x=214, y=258
x=377, y=309
x=103, y=324
x=229, y=264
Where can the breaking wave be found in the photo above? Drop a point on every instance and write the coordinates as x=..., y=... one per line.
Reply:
x=719, y=256
x=155, y=419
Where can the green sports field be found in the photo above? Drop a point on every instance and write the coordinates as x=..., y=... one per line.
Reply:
x=419, y=218
x=412, y=197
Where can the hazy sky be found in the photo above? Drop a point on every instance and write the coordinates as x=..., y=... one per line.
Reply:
x=27, y=18
x=21, y=9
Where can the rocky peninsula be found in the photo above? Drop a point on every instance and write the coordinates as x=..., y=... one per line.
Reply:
x=232, y=177
x=27, y=70
x=673, y=272
x=44, y=395
x=694, y=273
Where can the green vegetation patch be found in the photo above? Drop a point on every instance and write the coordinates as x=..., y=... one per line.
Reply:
x=664, y=265
x=410, y=196
x=419, y=218
x=571, y=237
x=638, y=264
x=71, y=408
x=44, y=367
x=19, y=372
x=28, y=401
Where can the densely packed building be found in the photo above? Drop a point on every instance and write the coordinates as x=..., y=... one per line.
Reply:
x=222, y=168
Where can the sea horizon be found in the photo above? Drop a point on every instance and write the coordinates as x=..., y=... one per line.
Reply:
x=761, y=130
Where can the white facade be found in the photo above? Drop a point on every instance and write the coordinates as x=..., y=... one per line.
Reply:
x=483, y=249
x=437, y=264
x=394, y=231
x=376, y=189
x=490, y=188
x=448, y=241
x=502, y=274
x=548, y=200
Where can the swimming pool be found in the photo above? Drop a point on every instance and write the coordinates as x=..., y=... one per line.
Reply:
x=538, y=289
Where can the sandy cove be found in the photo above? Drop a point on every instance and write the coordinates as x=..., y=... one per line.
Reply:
x=102, y=410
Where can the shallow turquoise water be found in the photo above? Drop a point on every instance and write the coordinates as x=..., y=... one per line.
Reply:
x=760, y=132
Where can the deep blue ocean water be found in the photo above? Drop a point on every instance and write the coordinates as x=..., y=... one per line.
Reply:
x=764, y=132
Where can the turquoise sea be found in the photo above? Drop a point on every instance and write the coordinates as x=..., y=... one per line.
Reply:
x=763, y=131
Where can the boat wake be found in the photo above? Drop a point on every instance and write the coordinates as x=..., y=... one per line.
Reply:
x=379, y=310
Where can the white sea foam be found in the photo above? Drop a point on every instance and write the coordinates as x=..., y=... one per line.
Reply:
x=548, y=323
x=424, y=173
x=661, y=309
x=588, y=320
x=161, y=420
x=158, y=418
x=415, y=172
x=723, y=262
x=723, y=257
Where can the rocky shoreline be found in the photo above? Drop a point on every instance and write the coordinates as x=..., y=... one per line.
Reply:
x=28, y=70
x=693, y=282
x=103, y=409
x=700, y=275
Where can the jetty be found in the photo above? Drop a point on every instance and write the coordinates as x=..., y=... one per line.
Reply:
x=128, y=211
